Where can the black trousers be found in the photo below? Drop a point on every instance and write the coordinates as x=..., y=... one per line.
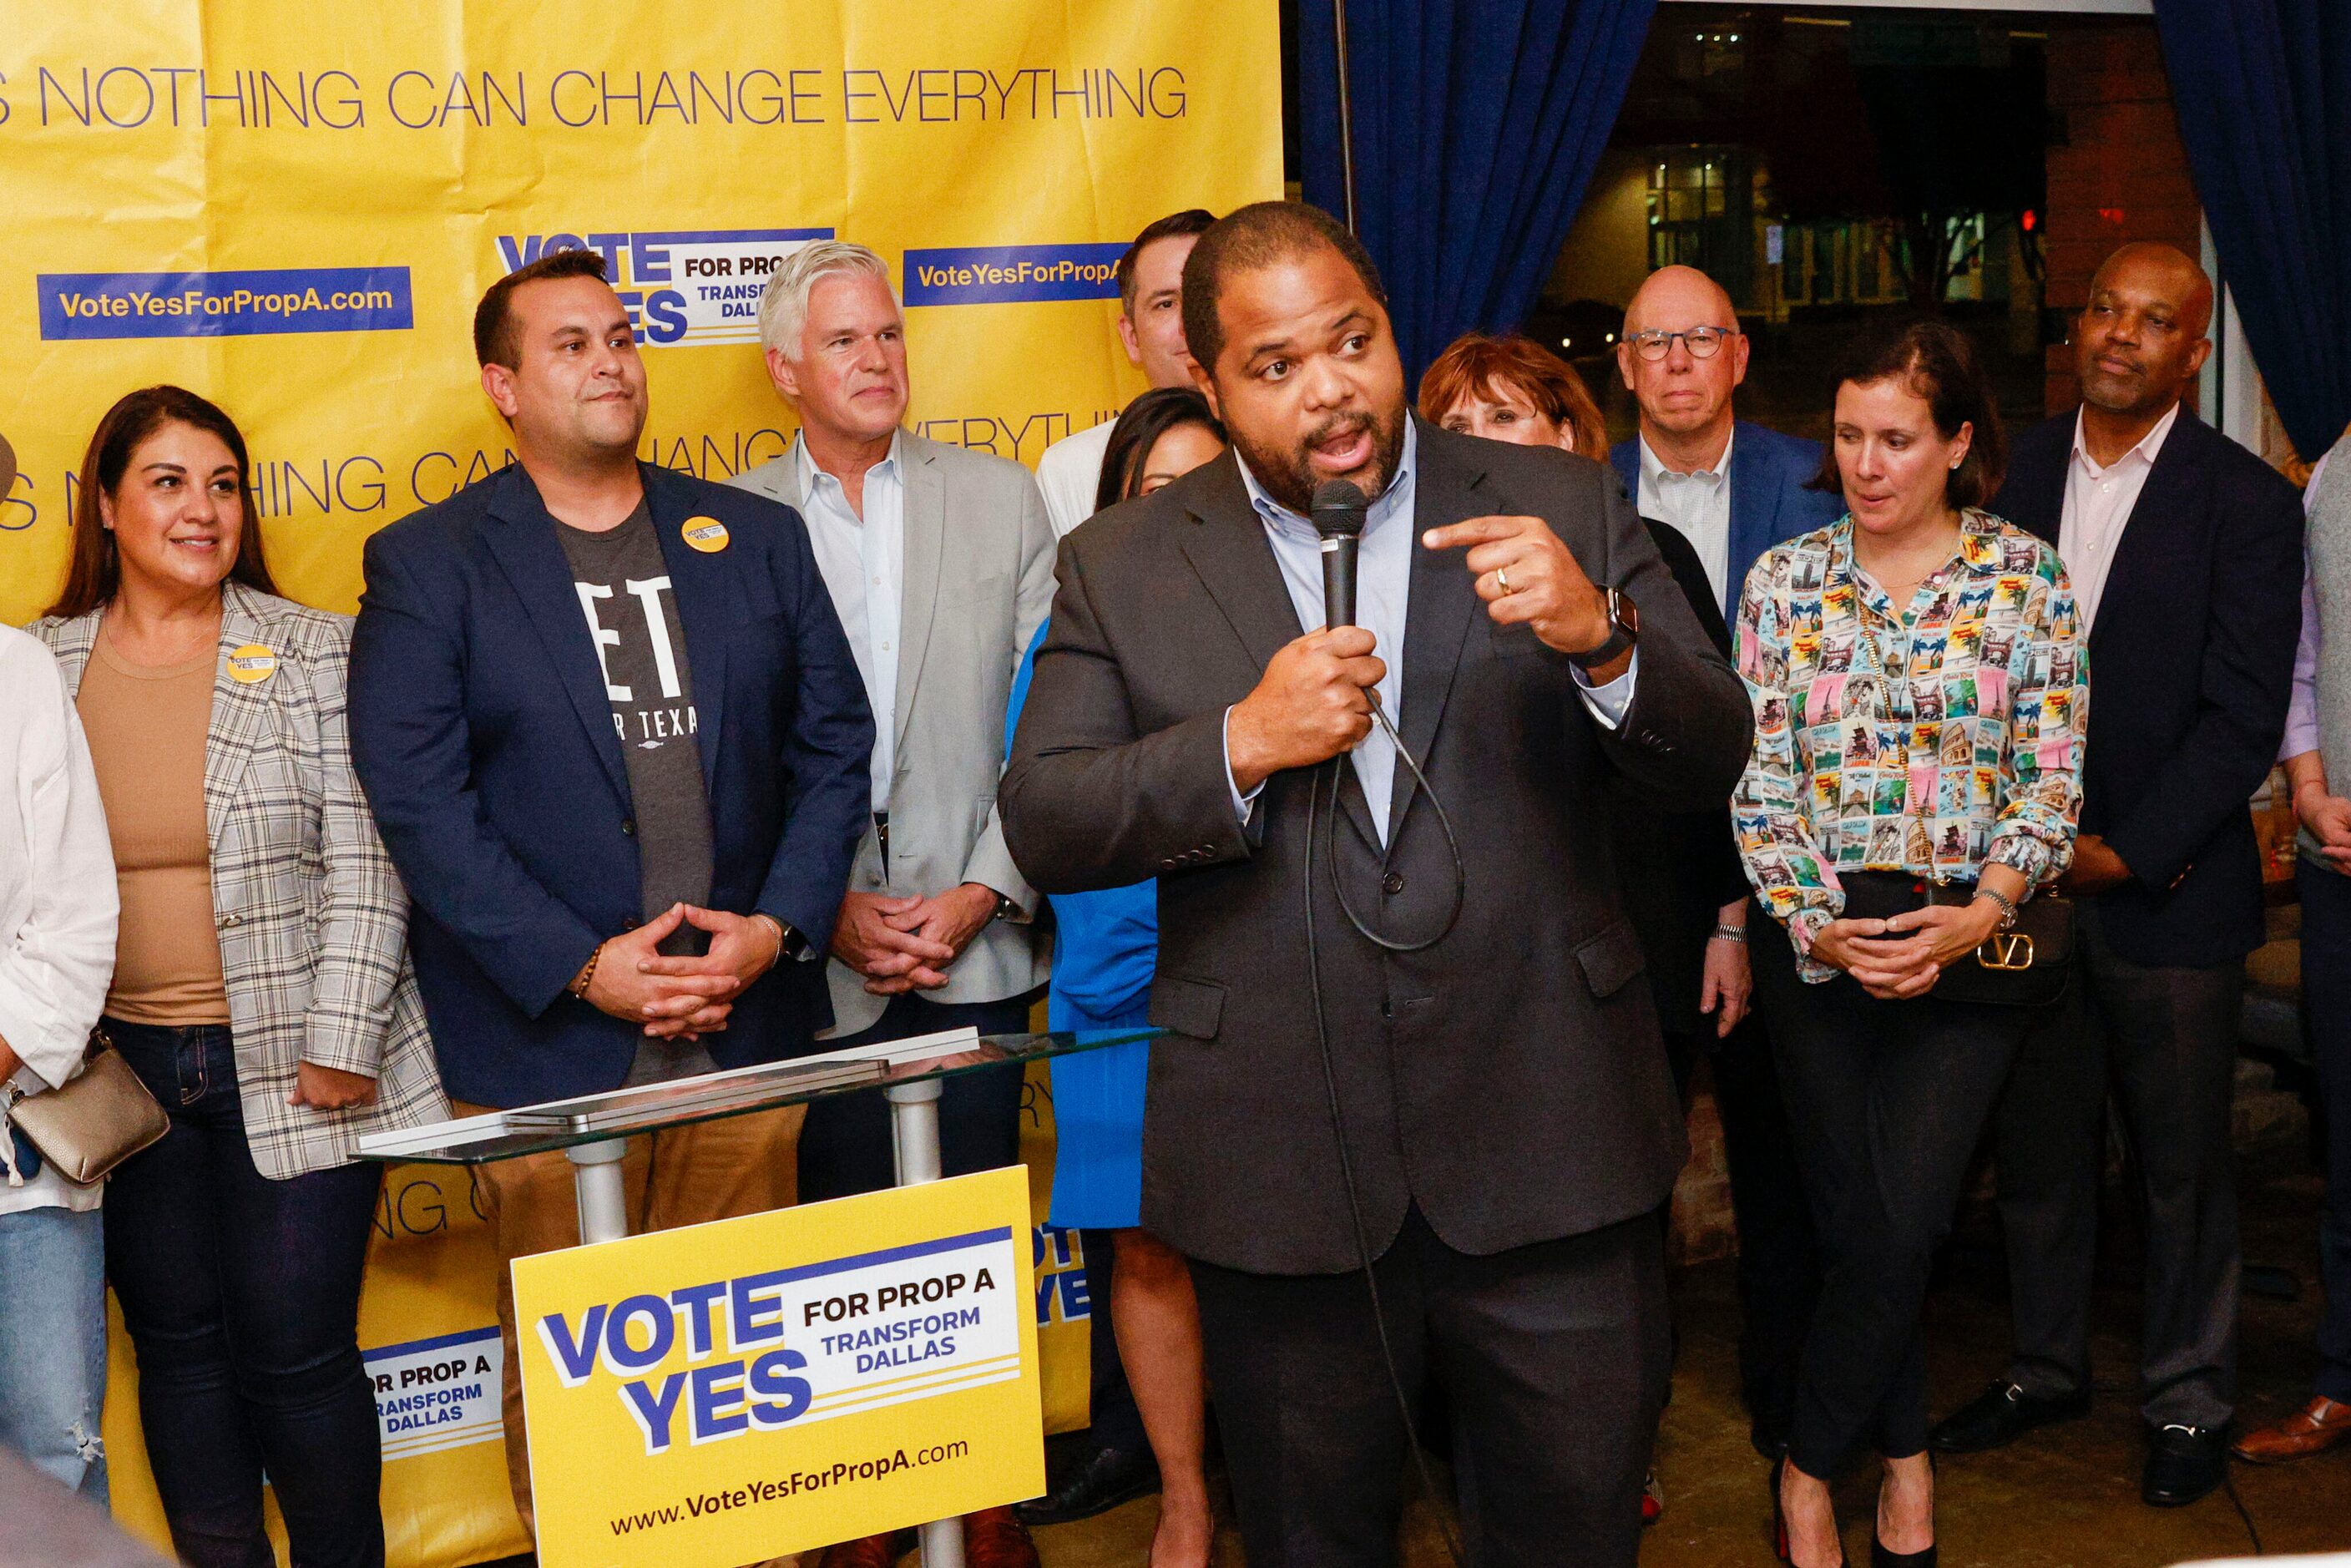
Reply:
x=845, y=1146
x=1778, y=1263
x=1886, y=1101
x=2166, y=1039
x=1554, y=1357
x=2326, y=1017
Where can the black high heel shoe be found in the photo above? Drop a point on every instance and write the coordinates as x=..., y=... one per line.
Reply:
x=1880, y=1557
x=1780, y=1521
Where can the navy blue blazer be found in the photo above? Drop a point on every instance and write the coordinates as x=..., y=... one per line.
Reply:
x=2191, y=665
x=485, y=743
x=1769, y=503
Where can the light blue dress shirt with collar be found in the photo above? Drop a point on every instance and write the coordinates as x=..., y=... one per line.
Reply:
x=862, y=560
x=1383, y=592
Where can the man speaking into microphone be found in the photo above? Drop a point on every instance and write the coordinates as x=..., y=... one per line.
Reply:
x=1403, y=1018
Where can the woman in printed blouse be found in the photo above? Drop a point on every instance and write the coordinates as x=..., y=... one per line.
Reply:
x=1920, y=692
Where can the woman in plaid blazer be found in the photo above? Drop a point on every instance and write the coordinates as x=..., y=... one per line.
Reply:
x=261, y=989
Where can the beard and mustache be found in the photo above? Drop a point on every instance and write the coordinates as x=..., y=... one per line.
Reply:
x=1288, y=473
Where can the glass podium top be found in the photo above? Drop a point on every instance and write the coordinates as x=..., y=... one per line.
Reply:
x=598, y=1118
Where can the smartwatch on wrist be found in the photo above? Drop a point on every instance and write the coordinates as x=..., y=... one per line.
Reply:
x=1623, y=631
x=790, y=942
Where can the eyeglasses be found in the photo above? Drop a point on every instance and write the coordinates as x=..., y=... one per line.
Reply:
x=1702, y=341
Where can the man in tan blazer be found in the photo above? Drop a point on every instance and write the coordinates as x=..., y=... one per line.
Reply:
x=940, y=562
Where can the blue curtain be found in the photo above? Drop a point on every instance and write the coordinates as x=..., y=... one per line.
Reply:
x=2264, y=91
x=1477, y=123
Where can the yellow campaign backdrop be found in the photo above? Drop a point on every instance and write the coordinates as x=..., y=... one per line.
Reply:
x=292, y=209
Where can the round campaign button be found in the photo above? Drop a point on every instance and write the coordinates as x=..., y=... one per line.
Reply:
x=254, y=662
x=708, y=535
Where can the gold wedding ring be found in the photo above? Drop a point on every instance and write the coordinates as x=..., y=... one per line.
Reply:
x=1502, y=580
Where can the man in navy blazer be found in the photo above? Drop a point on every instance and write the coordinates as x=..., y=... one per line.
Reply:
x=2184, y=554
x=1734, y=490
x=617, y=743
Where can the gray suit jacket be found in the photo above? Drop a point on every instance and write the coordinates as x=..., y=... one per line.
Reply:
x=1509, y=1079
x=978, y=582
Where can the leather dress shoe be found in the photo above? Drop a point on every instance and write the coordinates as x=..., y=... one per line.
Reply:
x=2183, y=1463
x=1106, y=1479
x=2315, y=1427
x=874, y=1551
x=2000, y=1415
x=992, y=1538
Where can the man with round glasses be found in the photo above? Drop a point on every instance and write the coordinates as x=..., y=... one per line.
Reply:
x=1735, y=489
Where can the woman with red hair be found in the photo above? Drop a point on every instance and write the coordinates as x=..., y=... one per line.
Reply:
x=1513, y=389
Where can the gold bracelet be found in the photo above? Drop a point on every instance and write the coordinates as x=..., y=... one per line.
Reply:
x=587, y=975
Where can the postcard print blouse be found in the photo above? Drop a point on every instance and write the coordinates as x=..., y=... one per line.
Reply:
x=1931, y=741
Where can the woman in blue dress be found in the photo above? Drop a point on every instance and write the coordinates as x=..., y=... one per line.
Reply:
x=1105, y=946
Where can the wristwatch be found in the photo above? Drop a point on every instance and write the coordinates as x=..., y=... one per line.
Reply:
x=790, y=942
x=1625, y=630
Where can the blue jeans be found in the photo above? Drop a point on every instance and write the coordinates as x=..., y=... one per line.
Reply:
x=242, y=1297
x=53, y=1344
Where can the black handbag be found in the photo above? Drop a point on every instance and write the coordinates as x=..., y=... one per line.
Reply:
x=2025, y=966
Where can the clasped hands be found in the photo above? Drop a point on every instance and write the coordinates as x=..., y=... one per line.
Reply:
x=1900, y=957
x=1314, y=700
x=683, y=998
x=907, y=944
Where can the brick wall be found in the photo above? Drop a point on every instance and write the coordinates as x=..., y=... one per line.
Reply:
x=2117, y=170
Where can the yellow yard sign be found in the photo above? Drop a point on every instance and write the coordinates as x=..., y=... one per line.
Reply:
x=736, y=1391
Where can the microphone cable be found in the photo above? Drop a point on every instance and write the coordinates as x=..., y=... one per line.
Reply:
x=1331, y=1081
x=1444, y=820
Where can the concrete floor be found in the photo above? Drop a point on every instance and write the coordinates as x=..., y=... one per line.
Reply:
x=2065, y=1498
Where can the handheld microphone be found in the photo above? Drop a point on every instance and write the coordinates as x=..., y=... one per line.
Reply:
x=1339, y=508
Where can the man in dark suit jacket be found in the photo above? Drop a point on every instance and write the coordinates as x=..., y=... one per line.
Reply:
x=1680, y=868
x=1733, y=489
x=617, y=745
x=1510, y=1126
x=2184, y=554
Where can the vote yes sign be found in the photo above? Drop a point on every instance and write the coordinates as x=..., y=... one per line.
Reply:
x=740, y=1390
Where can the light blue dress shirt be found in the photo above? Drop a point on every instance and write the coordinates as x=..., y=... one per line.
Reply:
x=1383, y=592
x=862, y=560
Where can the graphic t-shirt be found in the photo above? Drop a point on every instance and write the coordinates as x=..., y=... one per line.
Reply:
x=624, y=591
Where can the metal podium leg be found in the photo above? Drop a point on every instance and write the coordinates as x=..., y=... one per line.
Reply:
x=915, y=1139
x=914, y=1130
x=943, y=1543
x=596, y=1182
